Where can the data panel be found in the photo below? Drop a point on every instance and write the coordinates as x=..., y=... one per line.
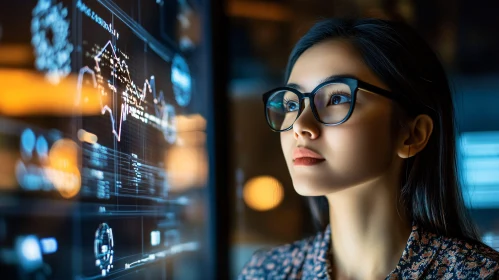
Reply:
x=103, y=129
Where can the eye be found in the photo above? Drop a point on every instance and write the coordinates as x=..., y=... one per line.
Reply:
x=339, y=98
x=290, y=105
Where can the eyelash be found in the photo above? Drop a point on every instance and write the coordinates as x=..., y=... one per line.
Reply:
x=338, y=92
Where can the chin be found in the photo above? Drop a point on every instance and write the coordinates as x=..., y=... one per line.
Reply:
x=310, y=190
x=320, y=186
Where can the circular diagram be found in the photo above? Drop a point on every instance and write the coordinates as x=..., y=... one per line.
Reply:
x=50, y=40
x=104, y=248
x=181, y=80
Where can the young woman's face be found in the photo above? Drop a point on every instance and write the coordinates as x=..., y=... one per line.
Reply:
x=359, y=150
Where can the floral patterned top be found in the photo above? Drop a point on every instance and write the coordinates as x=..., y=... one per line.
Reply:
x=426, y=256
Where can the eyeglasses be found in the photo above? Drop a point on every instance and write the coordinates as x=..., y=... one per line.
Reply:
x=333, y=102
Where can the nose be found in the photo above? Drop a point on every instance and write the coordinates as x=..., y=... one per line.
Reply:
x=306, y=125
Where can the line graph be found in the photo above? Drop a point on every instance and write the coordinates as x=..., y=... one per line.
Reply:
x=123, y=114
x=133, y=98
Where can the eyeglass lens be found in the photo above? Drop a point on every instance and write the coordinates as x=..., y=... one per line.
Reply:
x=332, y=103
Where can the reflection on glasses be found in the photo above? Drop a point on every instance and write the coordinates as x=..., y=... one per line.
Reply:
x=332, y=102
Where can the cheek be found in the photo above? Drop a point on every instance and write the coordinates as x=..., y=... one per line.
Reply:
x=287, y=141
x=363, y=145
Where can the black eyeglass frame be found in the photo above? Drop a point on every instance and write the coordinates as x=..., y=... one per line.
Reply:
x=352, y=82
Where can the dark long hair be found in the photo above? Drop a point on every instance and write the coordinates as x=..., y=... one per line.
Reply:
x=430, y=191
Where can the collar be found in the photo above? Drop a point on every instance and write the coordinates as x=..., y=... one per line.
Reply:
x=420, y=251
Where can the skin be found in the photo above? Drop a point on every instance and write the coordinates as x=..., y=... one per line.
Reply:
x=363, y=164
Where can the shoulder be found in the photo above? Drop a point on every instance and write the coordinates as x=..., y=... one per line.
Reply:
x=463, y=259
x=282, y=262
x=433, y=256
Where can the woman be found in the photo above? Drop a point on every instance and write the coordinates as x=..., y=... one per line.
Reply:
x=366, y=122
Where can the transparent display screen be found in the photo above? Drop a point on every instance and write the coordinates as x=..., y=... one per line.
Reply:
x=102, y=140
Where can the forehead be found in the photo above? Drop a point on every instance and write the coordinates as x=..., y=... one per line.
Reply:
x=328, y=58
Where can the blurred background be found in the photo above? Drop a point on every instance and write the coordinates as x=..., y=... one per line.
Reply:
x=263, y=33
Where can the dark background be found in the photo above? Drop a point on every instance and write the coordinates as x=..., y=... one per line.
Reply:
x=262, y=34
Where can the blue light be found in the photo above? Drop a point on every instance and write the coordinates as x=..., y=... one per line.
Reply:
x=155, y=237
x=42, y=147
x=28, y=139
x=49, y=245
x=479, y=164
x=169, y=127
x=181, y=80
x=28, y=252
x=31, y=249
x=32, y=177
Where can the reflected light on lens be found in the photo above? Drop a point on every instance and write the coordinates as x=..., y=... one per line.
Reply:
x=263, y=193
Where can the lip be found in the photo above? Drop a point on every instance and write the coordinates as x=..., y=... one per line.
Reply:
x=302, y=152
x=307, y=161
x=306, y=157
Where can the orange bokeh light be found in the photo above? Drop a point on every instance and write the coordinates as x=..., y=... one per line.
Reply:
x=26, y=92
x=62, y=169
x=263, y=193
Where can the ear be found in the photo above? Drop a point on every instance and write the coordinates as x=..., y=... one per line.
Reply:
x=414, y=136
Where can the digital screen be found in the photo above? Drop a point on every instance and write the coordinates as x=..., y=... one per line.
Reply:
x=103, y=159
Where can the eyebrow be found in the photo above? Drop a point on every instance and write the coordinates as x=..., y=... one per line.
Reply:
x=332, y=77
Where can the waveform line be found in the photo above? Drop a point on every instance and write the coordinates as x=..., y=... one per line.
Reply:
x=130, y=86
x=105, y=108
x=124, y=67
x=79, y=85
x=156, y=99
x=124, y=108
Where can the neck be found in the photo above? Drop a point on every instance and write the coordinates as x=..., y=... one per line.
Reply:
x=369, y=230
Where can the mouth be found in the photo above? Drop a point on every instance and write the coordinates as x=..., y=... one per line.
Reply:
x=306, y=157
x=307, y=161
